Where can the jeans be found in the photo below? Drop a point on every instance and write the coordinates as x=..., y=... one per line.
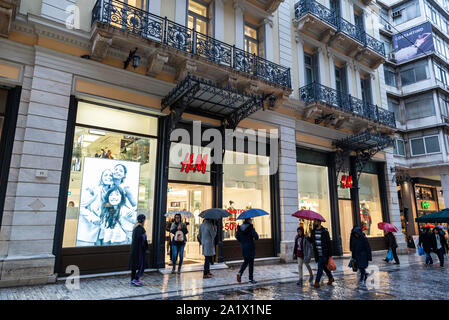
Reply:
x=246, y=262
x=322, y=266
x=177, y=249
x=300, y=263
x=440, y=254
x=429, y=259
x=362, y=274
x=207, y=261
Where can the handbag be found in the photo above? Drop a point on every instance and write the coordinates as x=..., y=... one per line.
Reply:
x=420, y=251
x=390, y=255
x=331, y=264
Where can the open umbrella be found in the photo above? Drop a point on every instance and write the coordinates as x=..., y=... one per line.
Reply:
x=308, y=215
x=184, y=214
x=428, y=226
x=251, y=213
x=387, y=227
x=214, y=214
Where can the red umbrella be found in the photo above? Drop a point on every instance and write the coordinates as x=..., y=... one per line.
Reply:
x=387, y=227
x=428, y=226
x=308, y=215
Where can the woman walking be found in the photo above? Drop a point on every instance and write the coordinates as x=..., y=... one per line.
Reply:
x=179, y=231
x=361, y=252
x=206, y=237
x=303, y=253
x=391, y=243
x=426, y=242
x=139, y=249
x=246, y=234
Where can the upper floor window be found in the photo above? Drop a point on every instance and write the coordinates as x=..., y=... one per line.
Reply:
x=425, y=145
x=198, y=17
x=414, y=72
x=399, y=147
x=419, y=106
x=251, y=39
x=406, y=12
x=393, y=106
x=311, y=68
x=141, y=4
x=390, y=76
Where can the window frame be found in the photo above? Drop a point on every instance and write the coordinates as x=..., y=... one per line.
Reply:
x=197, y=16
x=248, y=39
x=425, y=146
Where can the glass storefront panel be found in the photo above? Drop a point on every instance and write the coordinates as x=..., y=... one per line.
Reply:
x=246, y=186
x=111, y=182
x=313, y=191
x=370, y=205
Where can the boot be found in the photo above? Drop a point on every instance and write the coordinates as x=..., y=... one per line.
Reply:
x=173, y=270
x=316, y=285
x=179, y=269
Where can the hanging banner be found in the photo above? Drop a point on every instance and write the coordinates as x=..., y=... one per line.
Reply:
x=414, y=42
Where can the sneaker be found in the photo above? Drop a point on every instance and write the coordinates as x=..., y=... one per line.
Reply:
x=173, y=271
x=316, y=285
x=331, y=280
x=252, y=281
x=138, y=283
x=206, y=276
x=239, y=278
x=132, y=282
x=299, y=283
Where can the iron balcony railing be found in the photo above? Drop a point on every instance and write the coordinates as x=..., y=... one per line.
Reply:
x=149, y=26
x=316, y=92
x=304, y=7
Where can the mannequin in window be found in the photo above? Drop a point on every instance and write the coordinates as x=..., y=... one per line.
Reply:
x=366, y=218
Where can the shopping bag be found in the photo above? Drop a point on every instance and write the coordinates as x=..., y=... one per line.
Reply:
x=390, y=255
x=420, y=251
x=331, y=265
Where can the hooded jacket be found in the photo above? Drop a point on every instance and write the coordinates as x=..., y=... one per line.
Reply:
x=246, y=234
x=360, y=248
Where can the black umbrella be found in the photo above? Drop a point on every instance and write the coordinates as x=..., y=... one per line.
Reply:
x=214, y=213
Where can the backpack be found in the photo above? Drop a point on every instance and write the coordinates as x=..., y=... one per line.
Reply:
x=179, y=236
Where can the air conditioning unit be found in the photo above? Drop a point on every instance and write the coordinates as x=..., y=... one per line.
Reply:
x=391, y=56
x=397, y=13
x=388, y=27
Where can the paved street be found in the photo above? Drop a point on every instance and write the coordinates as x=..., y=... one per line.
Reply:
x=410, y=280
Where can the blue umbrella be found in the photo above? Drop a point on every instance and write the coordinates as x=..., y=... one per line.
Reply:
x=251, y=213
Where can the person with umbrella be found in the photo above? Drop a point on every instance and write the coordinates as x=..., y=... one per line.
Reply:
x=206, y=237
x=390, y=241
x=179, y=232
x=440, y=246
x=322, y=248
x=426, y=242
x=361, y=251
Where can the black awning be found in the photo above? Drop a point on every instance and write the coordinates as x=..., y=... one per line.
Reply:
x=364, y=142
x=206, y=98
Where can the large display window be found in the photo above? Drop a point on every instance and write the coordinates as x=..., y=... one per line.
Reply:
x=370, y=204
x=246, y=185
x=112, y=177
x=313, y=190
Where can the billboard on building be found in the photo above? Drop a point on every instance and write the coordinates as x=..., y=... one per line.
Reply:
x=414, y=42
x=108, y=204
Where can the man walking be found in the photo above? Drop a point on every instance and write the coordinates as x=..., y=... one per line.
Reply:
x=322, y=248
x=439, y=245
x=426, y=242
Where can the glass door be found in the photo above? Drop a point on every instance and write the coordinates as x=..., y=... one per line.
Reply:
x=195, y=199
x=346, y=223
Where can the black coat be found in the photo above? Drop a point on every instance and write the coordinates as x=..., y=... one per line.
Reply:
x=325, y=243
x=360, y=248
x=426, y=241
x=174, y=229
x=442, y=241
x=246, y=234
x=139, y=246
x=390, y=241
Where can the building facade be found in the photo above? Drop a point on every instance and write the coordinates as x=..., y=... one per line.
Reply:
x=415, y=35
x=94, y=95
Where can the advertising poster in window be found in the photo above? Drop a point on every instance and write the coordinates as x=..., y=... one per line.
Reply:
x=413, y=43
x=108, y=205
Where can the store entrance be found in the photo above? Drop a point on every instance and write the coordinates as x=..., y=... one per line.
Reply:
x=346, y=222
x=193, y=198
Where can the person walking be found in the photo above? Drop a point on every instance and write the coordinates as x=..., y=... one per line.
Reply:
x=246, y=235
x=139, y=249
x=179, y=232
x=206, y=237
x=391, y=243
x=322, y=248
x=426, y=242
x=361, y=252
x=439, y=246
x=302, y=252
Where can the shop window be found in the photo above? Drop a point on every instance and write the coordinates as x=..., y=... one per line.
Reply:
x=198, y=17
x=251, y=39
x=426, y=200
x=246, y=186
x=313, y=190
x=112, y=177
x=370, y=205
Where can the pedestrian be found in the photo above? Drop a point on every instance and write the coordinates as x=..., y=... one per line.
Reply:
x=302, y=251
x=322, y=248
x=246, y=235
x=206, y=237
x=426, y=242
x=139, y=249
x=440, y=246
x=361, y=251
x=390, y=241
x=179, y=231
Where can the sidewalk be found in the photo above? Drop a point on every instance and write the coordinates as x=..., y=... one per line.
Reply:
x=160, y=286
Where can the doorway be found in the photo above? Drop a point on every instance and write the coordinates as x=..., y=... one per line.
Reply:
x=346, y=222
x=195, y=199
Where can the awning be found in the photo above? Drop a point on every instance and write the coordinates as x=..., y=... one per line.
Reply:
x=209, y=99
x=435, y=217
x=366, y=141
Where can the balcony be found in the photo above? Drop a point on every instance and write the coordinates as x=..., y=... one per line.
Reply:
x=116, y=24
x=319, y=22
x=334, y=107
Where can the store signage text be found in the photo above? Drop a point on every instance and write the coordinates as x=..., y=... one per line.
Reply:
x=346, y=182
x=198, y=166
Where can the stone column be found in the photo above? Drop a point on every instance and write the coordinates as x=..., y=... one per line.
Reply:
x=219, y=24
x=374, y=90
x=301, y=69
x=357, y=81
x=350, y=79
x=445, y=187
x=181, y=12
x=239, y=25
x=332, y=70
x=268, y=41
x=351, y=12
x=321, y=67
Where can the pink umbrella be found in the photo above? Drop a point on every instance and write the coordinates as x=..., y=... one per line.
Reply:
x=308, y=215
x=387, y=227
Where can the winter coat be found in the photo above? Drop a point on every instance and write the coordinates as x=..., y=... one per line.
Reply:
x=390, y=241
x=307, y=249
x=246, y=234
x=360, y=248
x=325, y=243
x=174, y=229
x=139, y=247
x=426, y=241
x=206, y=236
x=442, y=241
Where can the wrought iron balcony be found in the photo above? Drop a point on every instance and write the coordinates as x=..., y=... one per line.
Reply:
x=149, y=26
x=313, y=7
x=316, y=92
